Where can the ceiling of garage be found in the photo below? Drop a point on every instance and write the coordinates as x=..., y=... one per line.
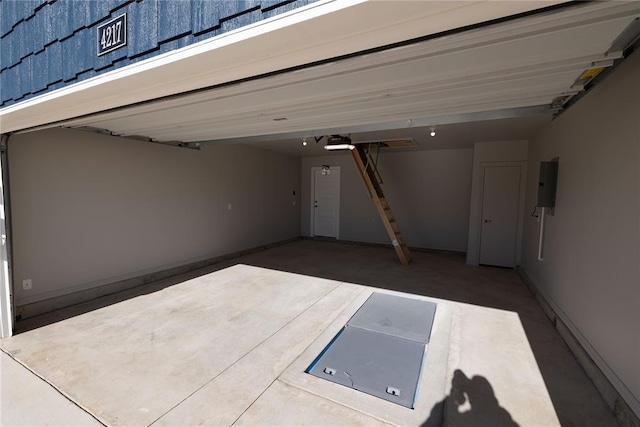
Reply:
x=448, y=137
x=512, y=66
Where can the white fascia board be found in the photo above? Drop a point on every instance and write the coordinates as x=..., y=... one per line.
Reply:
x=319, y=31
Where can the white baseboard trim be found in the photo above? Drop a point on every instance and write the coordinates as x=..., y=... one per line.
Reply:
x=623, y=403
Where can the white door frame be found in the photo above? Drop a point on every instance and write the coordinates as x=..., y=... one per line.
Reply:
x=521, y=204
x=313, y=197
x=6, y=309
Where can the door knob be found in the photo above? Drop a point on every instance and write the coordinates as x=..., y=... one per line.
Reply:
x=486, y=220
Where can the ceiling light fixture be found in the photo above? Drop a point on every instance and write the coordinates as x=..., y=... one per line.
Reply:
x=339, y=147
x=433, y=132
x=304, y=141
x=338, y=142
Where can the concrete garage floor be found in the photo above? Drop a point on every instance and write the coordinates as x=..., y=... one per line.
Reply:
x=228, y=345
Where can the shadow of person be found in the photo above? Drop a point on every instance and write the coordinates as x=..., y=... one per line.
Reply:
x=471, y=403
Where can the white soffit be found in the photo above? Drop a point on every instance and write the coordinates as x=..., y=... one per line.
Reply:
x=322, y=30
x=512, y=65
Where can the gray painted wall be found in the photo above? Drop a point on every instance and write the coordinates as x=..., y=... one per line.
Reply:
x=590, y=273
x=429, y=193
x=91, y=209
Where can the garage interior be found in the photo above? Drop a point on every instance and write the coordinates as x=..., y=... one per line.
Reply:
x=142, y=356
x=168, y=266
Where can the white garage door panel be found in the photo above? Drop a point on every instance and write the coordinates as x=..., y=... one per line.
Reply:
x=363, y=114
x=523, y=63
x=368, y=111
x=403, y=76
x=347, y=91
x=335, y=91
x=469, y=64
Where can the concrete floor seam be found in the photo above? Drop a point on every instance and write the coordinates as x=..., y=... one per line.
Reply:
x=254, y=401
x=293, y=361
x=337, y=402
x=332, y=319
x=53, y=386
x=243, y=356
x=447, y=357
x=453, y=359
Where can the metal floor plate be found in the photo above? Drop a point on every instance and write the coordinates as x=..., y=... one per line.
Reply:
x=398, y=316
x=378, y=364
x=381, y=349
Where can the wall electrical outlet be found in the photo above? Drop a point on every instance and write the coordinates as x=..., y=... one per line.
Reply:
x=229, y=206
x=27, y=285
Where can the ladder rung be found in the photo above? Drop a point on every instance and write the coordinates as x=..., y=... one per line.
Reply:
x=371, y=180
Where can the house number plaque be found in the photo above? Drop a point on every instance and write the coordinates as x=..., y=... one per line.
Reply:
x=112, y=35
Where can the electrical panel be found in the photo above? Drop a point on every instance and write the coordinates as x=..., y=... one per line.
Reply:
x=547, y=184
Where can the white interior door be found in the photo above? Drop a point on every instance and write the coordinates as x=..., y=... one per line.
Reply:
x=501, y=192
x=326, y=202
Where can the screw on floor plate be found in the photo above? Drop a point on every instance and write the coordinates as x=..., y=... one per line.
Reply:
x=393, y=391
x=329, y=371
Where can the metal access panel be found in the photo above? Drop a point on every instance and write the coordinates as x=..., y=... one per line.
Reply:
x=380, y=351
x=398, y=316
x=382, y=365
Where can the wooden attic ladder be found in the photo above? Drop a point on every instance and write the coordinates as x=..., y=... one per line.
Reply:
x=369, y=172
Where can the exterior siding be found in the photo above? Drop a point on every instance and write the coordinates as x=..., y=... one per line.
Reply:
x=45, y=45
